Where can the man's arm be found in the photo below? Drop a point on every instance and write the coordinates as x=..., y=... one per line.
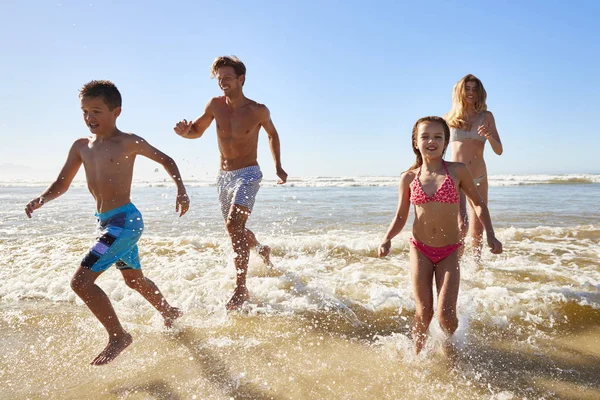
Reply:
x=194, y=130
x=62, y=182
x=143, y=148
x=274, y=143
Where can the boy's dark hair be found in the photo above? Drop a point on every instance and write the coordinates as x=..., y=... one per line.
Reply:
x=227, y=61
x=102, y=89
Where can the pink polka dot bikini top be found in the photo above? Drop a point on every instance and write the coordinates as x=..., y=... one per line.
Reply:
x=446, y=193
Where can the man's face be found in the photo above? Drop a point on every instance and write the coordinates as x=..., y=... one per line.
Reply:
x=97, y=116
x=229, y=82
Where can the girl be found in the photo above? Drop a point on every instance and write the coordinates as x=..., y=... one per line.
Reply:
x=471, y=125
x=433, y=186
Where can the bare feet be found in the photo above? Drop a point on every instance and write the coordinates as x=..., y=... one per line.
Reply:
x=114, y=347
x=171, y=315
x=264, y=252
x=240, y=296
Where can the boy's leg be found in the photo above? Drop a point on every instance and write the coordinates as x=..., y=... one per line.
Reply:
x=235, y=224
x=422, y=281
x=135, y=279
x=83, y=283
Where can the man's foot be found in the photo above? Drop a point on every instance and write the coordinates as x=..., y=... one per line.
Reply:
x=114, y=347
x=264, y=252
x=240, y=296
x=171, y=315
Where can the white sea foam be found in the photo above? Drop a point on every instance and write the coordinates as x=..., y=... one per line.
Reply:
x=341, y=182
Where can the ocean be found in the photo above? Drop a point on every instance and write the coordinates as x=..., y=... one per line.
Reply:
x=330, y=321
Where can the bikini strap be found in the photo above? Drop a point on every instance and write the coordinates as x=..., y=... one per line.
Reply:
x=446, y=168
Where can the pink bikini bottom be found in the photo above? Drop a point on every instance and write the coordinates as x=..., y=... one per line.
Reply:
x=435, y=254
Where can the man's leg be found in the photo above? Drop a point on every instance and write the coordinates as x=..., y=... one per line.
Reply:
x=236, y=228
x=135, y=279
x=263, y=251
x=83, y=283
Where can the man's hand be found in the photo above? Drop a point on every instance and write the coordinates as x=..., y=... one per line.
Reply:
x=282, y=176
x=34, y=205
x=384, y=248
x=182, y=128
x=182, y=204
x=495, y=245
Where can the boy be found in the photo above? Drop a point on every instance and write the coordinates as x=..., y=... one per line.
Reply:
x=108, y=156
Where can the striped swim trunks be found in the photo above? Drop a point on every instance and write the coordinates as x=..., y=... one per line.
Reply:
x=238, y=187
x=119, y=230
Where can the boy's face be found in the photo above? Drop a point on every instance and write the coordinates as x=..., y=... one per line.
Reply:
x=97, y=116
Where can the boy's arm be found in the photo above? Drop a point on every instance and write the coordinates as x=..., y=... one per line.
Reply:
x=274, y=143
x=401, y=214
x=182, y=203
x=468, y=186
x=193, y=130
x=62, y=182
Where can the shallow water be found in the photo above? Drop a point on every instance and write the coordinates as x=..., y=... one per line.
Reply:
x=331, y=321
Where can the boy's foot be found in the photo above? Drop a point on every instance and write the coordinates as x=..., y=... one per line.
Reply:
x=114, y=347
x=171, y=316
x=240, y=296
x=264, y=252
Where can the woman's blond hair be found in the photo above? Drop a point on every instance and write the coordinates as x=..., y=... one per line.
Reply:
x=456, y=117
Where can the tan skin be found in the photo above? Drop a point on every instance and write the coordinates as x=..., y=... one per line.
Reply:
x=435, y=225
x=470, y=153
x=238, y=122
x=108, y=157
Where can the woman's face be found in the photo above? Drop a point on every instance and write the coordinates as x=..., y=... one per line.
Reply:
x=471, y=93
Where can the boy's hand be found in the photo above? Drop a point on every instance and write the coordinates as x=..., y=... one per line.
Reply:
x=282, y=176
x=384, y=248
x=34, y=205
x=495, y=245
x=182, y=128
x=182, y=204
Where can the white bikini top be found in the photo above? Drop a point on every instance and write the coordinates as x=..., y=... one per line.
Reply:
x=458, y=135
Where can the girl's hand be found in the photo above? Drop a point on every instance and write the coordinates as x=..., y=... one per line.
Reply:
x=34, y=205
x=384, y=248
x=495, y=245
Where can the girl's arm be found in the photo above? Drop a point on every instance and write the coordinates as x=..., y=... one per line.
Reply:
x=489, y=130
x=401, y=214
x=468, y=187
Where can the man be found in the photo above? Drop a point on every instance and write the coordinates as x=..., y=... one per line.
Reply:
x=239, y=120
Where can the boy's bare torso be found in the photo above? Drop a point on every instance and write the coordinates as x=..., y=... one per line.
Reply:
x=108, y=164
x=237, y=132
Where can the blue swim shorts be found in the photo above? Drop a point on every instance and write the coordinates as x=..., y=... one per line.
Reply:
x=239, y=187
x=119, y=230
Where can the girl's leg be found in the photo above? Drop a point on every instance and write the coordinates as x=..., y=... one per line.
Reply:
x=447, y=280
x=422, y=282
x=475, y=226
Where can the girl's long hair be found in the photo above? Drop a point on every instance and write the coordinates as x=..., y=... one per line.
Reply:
x=456, y=117
x=439, y=120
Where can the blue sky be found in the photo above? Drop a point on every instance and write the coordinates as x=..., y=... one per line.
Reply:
x=344, y=80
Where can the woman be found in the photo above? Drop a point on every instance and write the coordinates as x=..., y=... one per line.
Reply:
x=471, y=125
